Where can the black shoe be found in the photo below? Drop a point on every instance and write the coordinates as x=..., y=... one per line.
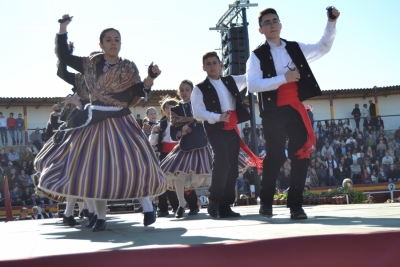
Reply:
x=140, y=209
x=100, y=225
x=180, y=212
x=298, y=214
x=90, y=216
x=212, y=209
x=265, y=210
x=81, y=215
x=228, y=214
x=194, y=211
x=71, y=221
x=85, y=213
x=150, y=217
x=162, y=214
x=92, y=222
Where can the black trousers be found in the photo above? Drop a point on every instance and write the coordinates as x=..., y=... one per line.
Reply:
x=277, y=124
x=225, y=146
x=191, y=198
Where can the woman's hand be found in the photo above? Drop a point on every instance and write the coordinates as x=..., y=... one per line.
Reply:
x=63, y=25
x=152, y=76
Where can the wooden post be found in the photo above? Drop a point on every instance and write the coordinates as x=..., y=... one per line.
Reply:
x=331, y=106
x=25, y=123
x=7, y=200
x=376, y=101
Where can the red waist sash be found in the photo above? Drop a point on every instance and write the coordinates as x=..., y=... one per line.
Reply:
x=167, y=147
x=288, y=94
x=232, y=125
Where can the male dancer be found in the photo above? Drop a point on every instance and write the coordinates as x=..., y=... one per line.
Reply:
x=218, y=103
x=278, y=70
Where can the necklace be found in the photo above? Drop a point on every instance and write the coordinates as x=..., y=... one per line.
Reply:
x=109, y=65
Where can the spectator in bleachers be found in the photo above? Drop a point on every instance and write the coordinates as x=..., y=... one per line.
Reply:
x=44, y=136
x=360, y=141
x=26, y=194
x=397, y=135
x=392, y=174
x=379, y=122
x=336, y=142
x=357, y=132
x=334, y=126
x=362, y=159
x=368, y=125
x=381, y=149
x=355, y=155
x=12, y=127
x=14, y=194
x=341, y=172
x=36, y=215
x=36, y=139
x=383, y=138
x=20, y=129
x=33, y=149
x=313, y=177
x=387, y=159
x=139, y=120
x=355, y=172
x=390, y=151
x=13, y=178
x=372, y=110
x=309, y=109
x=3, y=158
x=33, y=200
x=346, y=133
x=382, y=178
x=374, y=177
x=320, y=129
x=28, y=169
x=3, y=129
x=14, y=157
x=357, y=115
x=321, y=175
x=341, y=150
x=28, y=156
x=347, y=125
x=23, y=178
x=330, y=160
x=285, y=179
x=331, y=175
x=365, y=111
x=377, y=166
x=23, y=215
x=46, y=213
x=246, y=133
x=340, y=124
x=356, y=147
x=327, y=150
x=365, y=174
x=348, y=160
x=319, y=141
x=370, y=142
x=370, y=153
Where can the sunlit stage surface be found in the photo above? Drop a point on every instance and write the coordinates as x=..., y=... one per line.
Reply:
x=360, y=235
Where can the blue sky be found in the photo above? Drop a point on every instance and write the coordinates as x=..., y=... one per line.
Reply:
x=175, y=34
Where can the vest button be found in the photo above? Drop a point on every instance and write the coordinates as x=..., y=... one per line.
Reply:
x=309, y=75
x=269, y=99
x=216, y=111
x=270, y=57
x=301, y=65
x=235, y=94
x=214, y=101
x=269, y=75
x=316, y=85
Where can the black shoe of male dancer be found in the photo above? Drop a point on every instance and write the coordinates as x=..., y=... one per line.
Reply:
x=92, y=222
x=81, y=215
x=162, y=214
x=265, y=210
x=194, y=211
x=213, y=208
x=227, y=212
x=71, y=220
x=180, y=212
x=86, y=213
x=297, y=214
x=100, y=225
x=150, y=217
x=90, y=216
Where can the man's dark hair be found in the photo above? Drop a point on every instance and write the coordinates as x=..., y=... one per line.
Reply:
x=210, y=54
x=12, y=113
x=265, y=12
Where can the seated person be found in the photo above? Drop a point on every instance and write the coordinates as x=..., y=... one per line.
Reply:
x=392, y=174
x=35, y=214
x=33, y=200
x=23, y=215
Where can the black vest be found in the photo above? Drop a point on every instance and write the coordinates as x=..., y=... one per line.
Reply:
x=196, y=139
x=308, y=86
x=211, y=101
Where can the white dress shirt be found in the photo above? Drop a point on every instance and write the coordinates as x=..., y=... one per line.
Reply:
x=312, y=52
x=153, y=138
x=227, y=101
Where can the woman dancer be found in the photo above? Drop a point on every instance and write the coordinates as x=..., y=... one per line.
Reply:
x=106, y=155
x=189, y=165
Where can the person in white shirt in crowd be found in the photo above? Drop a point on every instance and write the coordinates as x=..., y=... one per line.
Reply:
x=36, y=215
x=327, y=150
x=3, y=129
x=387, y=159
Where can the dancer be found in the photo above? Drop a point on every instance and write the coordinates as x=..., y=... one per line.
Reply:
x=161, y=138
x=151, y=116
x=106, y=155
x=279, y=72
x=217, y=101
x=189, y=165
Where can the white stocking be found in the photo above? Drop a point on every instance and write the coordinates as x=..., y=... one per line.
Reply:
x=146, y=204
x=69, y=209
x=180, y=191
x=101, y=208
x=90, y=205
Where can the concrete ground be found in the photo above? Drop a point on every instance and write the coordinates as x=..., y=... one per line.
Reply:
x=24, y=239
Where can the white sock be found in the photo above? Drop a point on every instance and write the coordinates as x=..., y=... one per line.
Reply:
x=180, y=191
x=81, y=205
x=146, y=204
x=90, y=205
x=101, y=208
x=69, y=209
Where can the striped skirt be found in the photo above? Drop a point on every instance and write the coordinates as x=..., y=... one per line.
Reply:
x=109, y=160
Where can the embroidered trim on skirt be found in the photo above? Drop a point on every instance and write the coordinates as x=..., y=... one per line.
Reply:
x=111, y=159
x=194, y=167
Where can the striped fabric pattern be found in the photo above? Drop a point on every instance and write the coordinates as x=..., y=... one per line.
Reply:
x=109, y=160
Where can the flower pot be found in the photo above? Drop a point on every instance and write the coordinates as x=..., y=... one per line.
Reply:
x=315, y=201
x=275, y=202
x=305, y=200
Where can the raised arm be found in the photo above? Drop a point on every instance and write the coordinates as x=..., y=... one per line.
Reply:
x=62, y=71
x=62, y=47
